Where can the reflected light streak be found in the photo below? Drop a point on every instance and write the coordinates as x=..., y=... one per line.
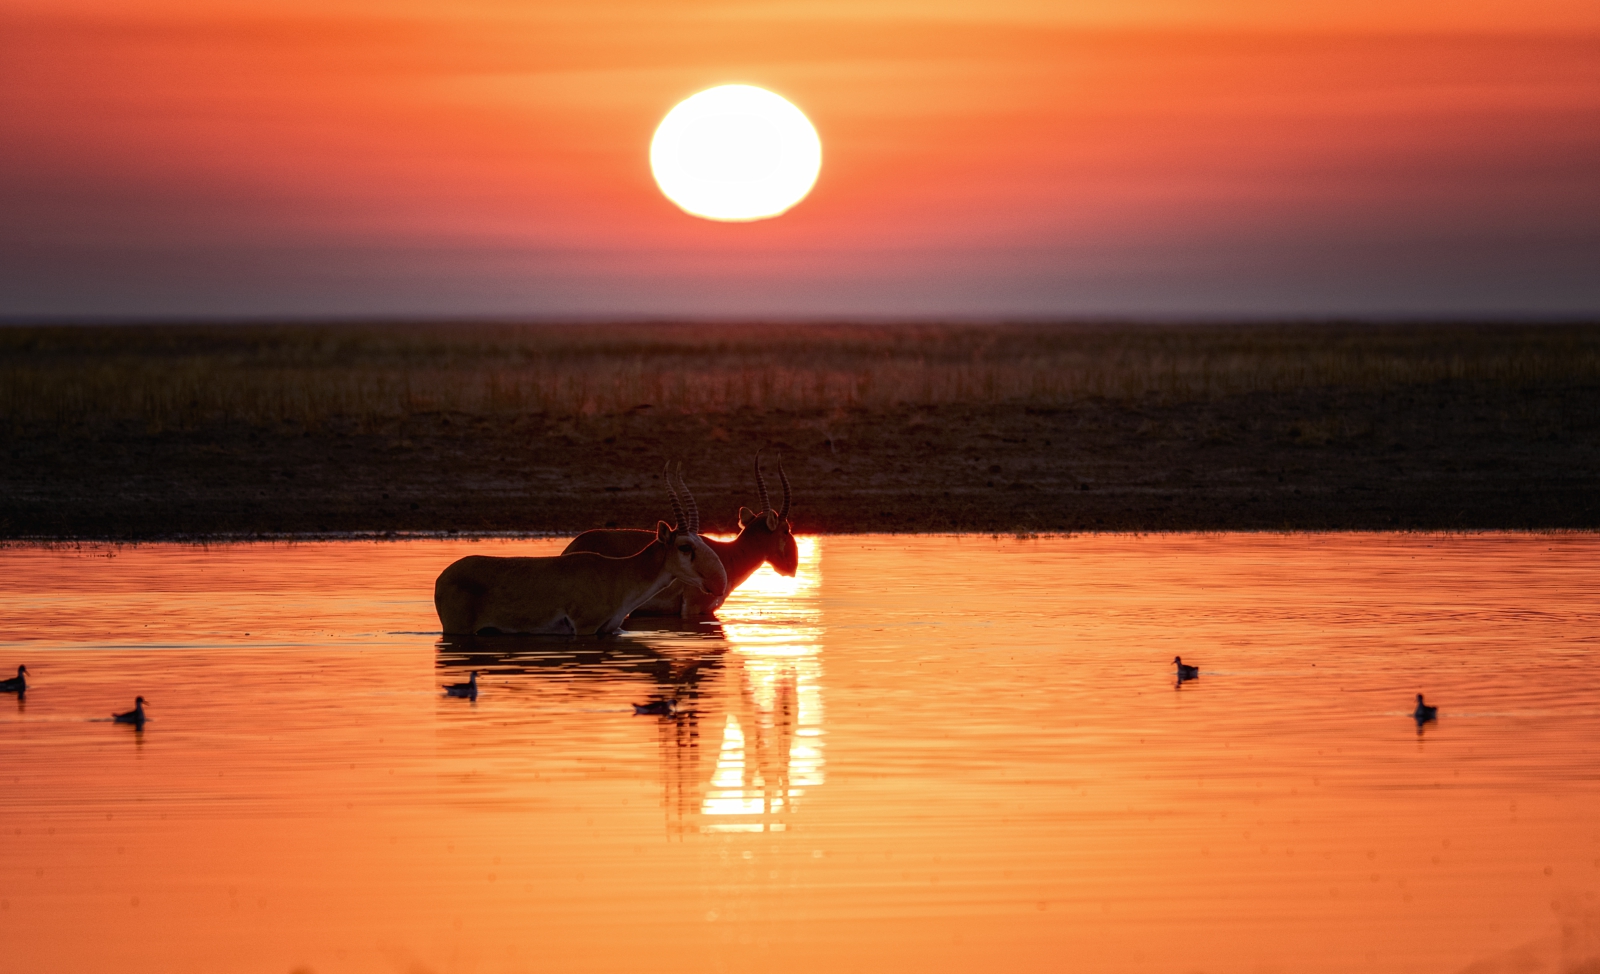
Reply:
x=772, y=737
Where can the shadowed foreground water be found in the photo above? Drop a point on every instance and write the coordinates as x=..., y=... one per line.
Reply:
x=923, y=754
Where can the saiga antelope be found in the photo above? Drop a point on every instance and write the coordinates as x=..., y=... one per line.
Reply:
x=764, y=537
x=582, y=593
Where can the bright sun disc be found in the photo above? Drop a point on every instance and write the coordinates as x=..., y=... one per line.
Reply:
x=735, y=152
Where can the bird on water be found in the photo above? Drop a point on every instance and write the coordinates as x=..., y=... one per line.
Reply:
x=1424, y=711
x=134, y=716
x=1185, y=671
x=468, y=689
x=659, y=708
x=18, y=684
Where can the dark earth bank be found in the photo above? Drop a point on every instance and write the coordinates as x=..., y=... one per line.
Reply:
x=1444, y=456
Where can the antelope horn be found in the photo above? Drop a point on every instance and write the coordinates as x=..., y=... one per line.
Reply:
x=677, y=505
x=788, y=495
x=761, y=484
x=688, y=503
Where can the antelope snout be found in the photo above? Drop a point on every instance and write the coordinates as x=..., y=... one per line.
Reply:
x=715, y=584
x=716, y=587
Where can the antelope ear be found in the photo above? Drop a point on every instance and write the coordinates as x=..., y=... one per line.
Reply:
x=663, y=532
x=746, y=515
x=772, y=520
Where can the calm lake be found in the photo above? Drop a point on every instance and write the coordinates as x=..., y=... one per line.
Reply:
x=921, y=754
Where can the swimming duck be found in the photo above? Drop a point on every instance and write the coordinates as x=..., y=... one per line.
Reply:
x=1185, y=671
x=134, y=716
x=17, y=685
x=468, y=689
x=1423, y=711
x=659, y=708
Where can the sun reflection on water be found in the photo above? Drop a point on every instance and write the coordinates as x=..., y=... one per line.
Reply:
x=1012, y=778
x=772, y=736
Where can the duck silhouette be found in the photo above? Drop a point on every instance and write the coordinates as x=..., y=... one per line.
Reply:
x=468, y=689
x=134, y=716
x=1424, y=712
x=659, y=708
x=18, y=684
x=1185, y=671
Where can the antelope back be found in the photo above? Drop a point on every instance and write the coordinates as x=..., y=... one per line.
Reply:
x=612, y=542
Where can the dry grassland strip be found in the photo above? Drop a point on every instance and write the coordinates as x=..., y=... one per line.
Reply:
x=179, y=376
x=195, y=430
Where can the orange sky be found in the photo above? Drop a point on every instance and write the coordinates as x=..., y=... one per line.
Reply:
x=1170, y=157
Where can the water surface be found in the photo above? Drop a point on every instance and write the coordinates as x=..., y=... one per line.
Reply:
x=922, y=754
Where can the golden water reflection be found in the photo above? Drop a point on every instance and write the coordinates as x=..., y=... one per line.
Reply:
x=772, y=736
x=940, y=754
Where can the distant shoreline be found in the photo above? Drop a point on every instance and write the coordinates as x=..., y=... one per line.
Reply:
x=129, y=433
x=207, y=541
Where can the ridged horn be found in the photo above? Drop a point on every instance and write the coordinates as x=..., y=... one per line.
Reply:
x=688, y=503
x=761, y=485
x=677, y=505
x=788, y=494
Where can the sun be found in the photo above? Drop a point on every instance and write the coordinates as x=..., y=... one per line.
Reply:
x=735, y=153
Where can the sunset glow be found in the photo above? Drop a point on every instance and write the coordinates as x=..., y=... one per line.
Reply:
x=735, y=153
x=1131, y=510
x=1010, y=158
